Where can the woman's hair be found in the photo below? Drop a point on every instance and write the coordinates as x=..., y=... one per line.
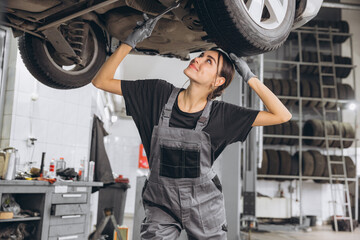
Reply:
x=227, y=71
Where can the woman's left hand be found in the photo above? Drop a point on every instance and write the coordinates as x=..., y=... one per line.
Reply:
x=242, y=68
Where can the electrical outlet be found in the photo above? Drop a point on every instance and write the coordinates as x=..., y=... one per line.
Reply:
x=31, y=141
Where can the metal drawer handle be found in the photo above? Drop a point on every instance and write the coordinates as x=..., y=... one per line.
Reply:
x=71, y=195
x=68, y=237
x=71, y=216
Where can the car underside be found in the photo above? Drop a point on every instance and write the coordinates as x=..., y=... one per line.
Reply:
x=64, y=42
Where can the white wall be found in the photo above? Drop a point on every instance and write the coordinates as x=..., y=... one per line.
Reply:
x=59, y=119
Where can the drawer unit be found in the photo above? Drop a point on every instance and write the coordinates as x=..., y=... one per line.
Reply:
x=67, y=230
x=69, y=209
x=60, y=198
x=70, y=237
x=69, y=219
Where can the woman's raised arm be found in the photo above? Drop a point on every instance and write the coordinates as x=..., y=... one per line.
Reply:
x=277, y=113
x=104, y=79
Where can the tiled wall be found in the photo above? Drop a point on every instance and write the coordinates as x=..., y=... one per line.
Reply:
x=60, y=120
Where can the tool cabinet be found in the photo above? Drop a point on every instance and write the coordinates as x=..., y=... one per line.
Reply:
x=64, y=207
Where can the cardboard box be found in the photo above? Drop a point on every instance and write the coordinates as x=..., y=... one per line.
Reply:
x=124, y=231
x=6, y=215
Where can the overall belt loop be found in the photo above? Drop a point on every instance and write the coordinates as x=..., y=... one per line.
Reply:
x=166, y=112
x=204, y=118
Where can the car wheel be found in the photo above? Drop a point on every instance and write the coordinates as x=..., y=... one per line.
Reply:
x=247, y=27
x=48, y=67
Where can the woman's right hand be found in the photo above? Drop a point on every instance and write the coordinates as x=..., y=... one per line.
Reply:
x=142, y=31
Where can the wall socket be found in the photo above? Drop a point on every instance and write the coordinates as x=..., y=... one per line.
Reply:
x=31, y=141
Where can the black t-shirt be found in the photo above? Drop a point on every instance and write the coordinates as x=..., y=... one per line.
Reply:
x=145, y=99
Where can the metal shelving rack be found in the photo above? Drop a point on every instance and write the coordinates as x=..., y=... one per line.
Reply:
x=297, y=64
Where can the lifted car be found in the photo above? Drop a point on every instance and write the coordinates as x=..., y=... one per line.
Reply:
x=63, y=43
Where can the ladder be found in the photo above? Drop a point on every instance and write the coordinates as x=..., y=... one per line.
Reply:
x=343, y=193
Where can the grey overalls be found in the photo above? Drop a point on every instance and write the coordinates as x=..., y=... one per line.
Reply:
x=182, y=190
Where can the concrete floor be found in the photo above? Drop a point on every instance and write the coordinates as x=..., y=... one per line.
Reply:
x=317, y=233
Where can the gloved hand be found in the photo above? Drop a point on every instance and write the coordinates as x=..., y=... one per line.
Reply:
x=142, y=30
x=242, y=68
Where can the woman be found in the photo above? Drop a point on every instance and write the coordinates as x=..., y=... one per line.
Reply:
x=183, y=132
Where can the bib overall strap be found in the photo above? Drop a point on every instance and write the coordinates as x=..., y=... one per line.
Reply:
x=204, y=118
x=166, y=112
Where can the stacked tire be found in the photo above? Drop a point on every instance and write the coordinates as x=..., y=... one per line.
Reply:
x=309, y=89
x=313, y=163
x=287, y=128
x=317, y=128
x=338, y=26
x=312, y=57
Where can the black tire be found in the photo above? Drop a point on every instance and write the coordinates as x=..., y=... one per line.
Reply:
x=264, y=164
x=305, y=91
x=39, y=58
x=232, y=28
x=274, y=162
x=331, y=94
x=315, y=128
x=325, y=95
x=319, y=163
x=343, y=72
x=295, y=164
x=307, y=164
x=315, y=92
x=295, y=132
x=276, y=86
x=349, y=133
x=268, y=83
x=336, y=143
x=349, y=92
x=285, y=90
x=286, y=131
x=350, y=167
x=341, y=91
x=268, y=130
x=326, y=171
x=293, y=92
x=285, y=162
x=278, y=130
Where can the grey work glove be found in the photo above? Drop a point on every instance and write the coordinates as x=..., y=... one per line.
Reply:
x=242, y=68
x=142, y=30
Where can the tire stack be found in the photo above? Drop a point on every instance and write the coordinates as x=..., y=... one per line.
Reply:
x=307, y=85
x=338, y=26
x=312, y=57
x=316, y=128
x=288, y=128
x=279, y=162
x=309, y=88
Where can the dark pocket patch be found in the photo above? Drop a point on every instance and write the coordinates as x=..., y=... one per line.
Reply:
x=179, y=162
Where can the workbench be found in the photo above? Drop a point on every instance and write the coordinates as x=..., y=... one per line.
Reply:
x=64, y=207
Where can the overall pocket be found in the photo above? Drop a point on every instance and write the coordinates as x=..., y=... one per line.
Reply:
x=180, y=160
x=211, y=206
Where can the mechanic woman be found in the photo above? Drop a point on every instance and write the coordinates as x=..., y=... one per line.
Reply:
x=183, y=132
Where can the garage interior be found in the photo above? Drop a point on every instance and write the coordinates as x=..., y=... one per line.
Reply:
x=277, y=184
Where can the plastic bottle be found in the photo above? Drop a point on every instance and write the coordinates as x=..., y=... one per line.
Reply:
x=52, y=173
x=60, y=164
x=81, y=170
x=91, y=171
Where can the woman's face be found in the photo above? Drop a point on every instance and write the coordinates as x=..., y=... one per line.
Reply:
x=204, y=68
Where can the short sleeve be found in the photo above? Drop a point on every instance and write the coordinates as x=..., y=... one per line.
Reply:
x=238, y=122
